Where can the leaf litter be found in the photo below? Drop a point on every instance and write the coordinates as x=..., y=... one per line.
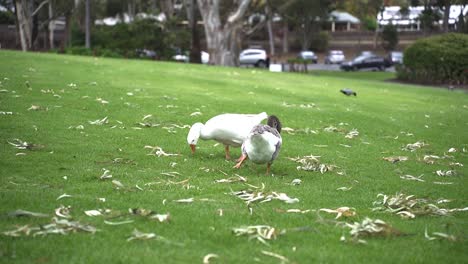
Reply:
x=158, y=151
x=258, y=232
x=24, y=213
x=396, y=159
x=312, y=163
x=57, y=226
x=409, y=206
x=415, y=146
x=341, y=211
x=260, y=197
x=19, y=144
x=369, y=228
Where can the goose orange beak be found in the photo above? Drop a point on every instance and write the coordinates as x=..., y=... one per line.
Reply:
x=192, y=147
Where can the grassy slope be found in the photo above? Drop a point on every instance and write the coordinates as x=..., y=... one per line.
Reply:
x=380, y=112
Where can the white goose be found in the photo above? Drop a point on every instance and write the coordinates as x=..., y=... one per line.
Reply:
x=263, y=144
x=228, y=129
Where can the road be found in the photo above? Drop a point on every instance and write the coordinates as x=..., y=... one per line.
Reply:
x=329, y=67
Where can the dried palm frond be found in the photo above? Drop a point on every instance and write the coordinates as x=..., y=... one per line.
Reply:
x=260, y=197
x=259, y=232
x=414, y=146
x=312, y=163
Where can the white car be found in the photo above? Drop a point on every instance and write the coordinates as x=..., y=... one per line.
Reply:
x=205, y=57
x=308, y=56
x=335, y=56
x=255, y=57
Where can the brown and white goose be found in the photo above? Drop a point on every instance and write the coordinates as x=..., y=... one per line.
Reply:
x=263, y=143
x=228, y=129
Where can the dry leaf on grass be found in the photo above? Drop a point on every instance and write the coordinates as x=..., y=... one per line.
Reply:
x=236, y=178
x=105, y=175
x=439, y=236
x=341, y=211
x=258, y=232
x=19, y=144
x=57, y=226
x=158, y=151
x=414, y=146
x=369, y=227
x=283, y=259
x=208, y=257
x=22, y=213
x=141, y=236
x=312, y=163
x=63, y=196
x=408, y=206
x=396, y=159
x=352, y=134
x=447, y=173
x=99, y=121
x=260, y=197
x=412, y=178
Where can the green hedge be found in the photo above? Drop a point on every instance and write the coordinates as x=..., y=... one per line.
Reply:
x=437, y=60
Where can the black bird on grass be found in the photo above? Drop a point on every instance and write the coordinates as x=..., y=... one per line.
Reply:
x=348, y=92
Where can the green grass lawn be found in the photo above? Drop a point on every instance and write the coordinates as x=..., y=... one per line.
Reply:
x=71, y=91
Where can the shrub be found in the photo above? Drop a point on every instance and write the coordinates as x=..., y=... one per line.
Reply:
x=439, y=59
x=389, y=37
x=320, y=41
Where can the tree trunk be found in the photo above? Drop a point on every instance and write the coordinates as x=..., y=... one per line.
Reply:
x=195, y=50
x=285, y=37
x=66, y=34
x=271, y=40
x=24, y=24
x=223, y=41
x=87, y=24
x=51, y=26
x=446, y=15
x=167, y=7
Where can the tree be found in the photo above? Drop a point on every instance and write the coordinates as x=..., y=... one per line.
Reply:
x=389, y=37
x=27, y=21
x=307, y=17
x=87, y=24
x=223, y=39
x=195, y=49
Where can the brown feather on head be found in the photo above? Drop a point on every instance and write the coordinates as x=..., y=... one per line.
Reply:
x=274, y=122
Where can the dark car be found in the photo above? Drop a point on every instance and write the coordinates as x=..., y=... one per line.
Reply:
x=365, y=62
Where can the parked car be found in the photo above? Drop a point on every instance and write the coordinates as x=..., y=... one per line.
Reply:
x=307, y=55
x=145, y=53
x=365, y=62
x=255, y=57
x=366, y=53
x=205, y=57
x=335, y=56
x=395, y=57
